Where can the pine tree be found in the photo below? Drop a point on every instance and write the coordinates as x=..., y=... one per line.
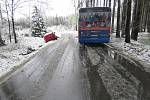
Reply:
x=37, y=24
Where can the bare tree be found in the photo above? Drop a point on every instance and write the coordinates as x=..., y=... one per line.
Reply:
x=87, y=3
x=148, y=18
x=104, y=3
x=12, y=18
x=136, y=20
x=97, y=3
x=1, y=26
x=10, y=8
x=118, y=21
x=113, y=15
x=93, y=3
x=8, y=19
x=110, y=3
x=124, y=13
x=128, y=19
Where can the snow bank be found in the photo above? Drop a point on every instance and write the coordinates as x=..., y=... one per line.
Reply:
x=135, y=48
x=11, y=54
x=118, y=86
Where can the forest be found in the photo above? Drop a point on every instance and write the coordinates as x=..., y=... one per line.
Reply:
x=133, y=16
x=129, y=17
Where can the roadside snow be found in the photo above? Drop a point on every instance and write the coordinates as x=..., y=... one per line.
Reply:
x=135, y=48
x=59, y=30
x=13, y=54
x=116, y=84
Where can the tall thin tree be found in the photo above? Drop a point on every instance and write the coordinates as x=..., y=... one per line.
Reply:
x=1, y=26
x=136, y=19
x=148, y=19
x=123, y=20
x=118, y=21
x=87, y=3
x=128, y=19
x=113, y=15
x=104, y=3
x=8, y=19
x=97, y=3
x=13, y=21
x=110, y=3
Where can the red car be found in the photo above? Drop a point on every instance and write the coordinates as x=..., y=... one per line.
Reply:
x=50, y=36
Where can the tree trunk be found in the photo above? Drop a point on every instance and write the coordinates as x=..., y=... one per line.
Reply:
x=148, y=19
x=118, y=21
x=145, y=14
x=124, y=13
x=148, y=23
x=87, y=3
x=127, y=29
x=145, y=21
x=104, y=3
x=1, y=41
x=134, y=18
x=9, y=25
x=13, y=22
x=93, y=3
x=1, y=26
x=110, y=3
x=113, y=15
x=136, y=21
x=97, y=3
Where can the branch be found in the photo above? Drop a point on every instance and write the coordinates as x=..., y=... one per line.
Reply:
x=18, y=3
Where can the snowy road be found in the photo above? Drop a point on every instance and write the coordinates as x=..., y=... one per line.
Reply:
x=53, y=74
x=66, y=70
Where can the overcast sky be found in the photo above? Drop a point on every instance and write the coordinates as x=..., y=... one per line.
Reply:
x=50, y=8
x=62, y=7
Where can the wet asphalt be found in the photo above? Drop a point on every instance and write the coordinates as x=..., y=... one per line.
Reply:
x=53, y=74
x=66, y=70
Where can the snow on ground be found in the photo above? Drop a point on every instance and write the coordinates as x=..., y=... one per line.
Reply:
x=119, y=87
x=13, y=54
x=135, y=48
x=59, y=29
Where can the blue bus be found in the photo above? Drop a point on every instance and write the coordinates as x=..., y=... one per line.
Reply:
x=94, y=25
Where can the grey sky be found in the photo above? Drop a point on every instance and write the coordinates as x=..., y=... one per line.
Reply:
x=50, y=8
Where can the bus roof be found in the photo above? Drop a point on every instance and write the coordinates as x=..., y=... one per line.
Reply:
x=95, y=9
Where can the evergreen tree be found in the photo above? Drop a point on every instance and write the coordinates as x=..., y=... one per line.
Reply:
x=37, y=24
